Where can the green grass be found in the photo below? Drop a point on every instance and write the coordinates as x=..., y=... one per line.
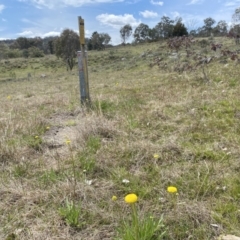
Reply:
x=52, y=190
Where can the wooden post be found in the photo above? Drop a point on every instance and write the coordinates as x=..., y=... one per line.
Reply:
x=82, y=66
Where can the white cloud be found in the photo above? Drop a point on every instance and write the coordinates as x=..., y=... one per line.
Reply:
x=194, y=2
x=1, y=7
x=31, y=34
x=133, y=1
x=117, y=21
x=148, y=14
x=156, y=3
x=74, y=3
x=26, y=33
x=51, y=34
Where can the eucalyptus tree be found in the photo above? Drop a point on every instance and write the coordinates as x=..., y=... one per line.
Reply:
x=98, y=41
x=125, y=32
x=209, y=22
x=141, y=33
x=165, y=27
x=179, y=29
x=221, y=29
x=236, y=16
x=66, y=47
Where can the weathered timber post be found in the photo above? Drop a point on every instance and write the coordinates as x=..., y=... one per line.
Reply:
x=82, y=65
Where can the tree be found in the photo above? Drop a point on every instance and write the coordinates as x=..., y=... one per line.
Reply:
x=141, y=33
x=235, y=29
x=22, y=43
x=193, y=32
x=3, y=50
x=221, y=28
x=201, y=32
x=105, y=38
x=66, y=46
x=153, y=34
x=179, y=29
x=126, y=32
x=236, y=16
x=89, y=45
x=191, y=25
x=234, y=32
x=35, y=42
x=165, y=27
x=98, y=41
x=48, y=45
x=209, y=22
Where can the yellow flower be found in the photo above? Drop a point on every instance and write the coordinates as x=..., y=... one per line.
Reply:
x=114, y=198
x=67, y=141
x=9, y=97
x=47, y=128
x=131, y=198
x=172, y=189
x=156, y=156
x=36, y=137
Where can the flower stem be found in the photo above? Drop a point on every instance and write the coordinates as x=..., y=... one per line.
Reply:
x=135, y=220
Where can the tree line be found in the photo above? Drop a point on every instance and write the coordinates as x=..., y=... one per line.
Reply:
x=38, y=47
x=66, y=45
x=168, y=28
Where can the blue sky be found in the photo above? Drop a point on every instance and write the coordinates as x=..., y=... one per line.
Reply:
x=30, y=18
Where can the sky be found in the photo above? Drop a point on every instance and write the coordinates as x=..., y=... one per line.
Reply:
x=42, y=18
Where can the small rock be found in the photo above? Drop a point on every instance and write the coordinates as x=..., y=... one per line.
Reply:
x=173, y=57
x=89, y=182
x=209, y=59
x=125, y=181
x=214, y=225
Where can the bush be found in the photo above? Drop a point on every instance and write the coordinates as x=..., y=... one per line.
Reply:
x=13, y=53
x=35, y=52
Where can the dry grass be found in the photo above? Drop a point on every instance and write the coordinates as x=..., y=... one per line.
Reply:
x=193, y=126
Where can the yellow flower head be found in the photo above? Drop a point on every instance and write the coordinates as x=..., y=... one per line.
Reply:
x=172, y=189
x=36, y=137
x=156, y=156
x=47, y=128
x=9, y=97
x=131, y=198
x=114, y=198
x=67, y=141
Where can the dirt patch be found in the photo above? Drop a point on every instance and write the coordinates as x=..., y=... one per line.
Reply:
x=76, y=128
x=57, y=136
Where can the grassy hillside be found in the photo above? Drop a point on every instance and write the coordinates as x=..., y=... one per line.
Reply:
x=149, y=128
